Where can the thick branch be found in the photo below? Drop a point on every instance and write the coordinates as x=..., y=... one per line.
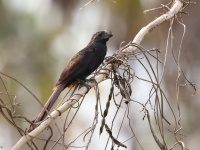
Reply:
x=176, y=7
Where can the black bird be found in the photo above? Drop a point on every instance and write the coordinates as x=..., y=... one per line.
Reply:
x=79, y=67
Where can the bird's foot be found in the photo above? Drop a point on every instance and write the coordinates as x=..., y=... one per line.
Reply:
x=92, y=80
x=84, y=83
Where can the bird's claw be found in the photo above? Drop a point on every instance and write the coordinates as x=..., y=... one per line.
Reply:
x=83, y=83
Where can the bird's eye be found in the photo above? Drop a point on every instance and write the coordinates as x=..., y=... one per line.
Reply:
x=100, y=34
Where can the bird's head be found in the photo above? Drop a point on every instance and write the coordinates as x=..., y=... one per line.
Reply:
x=102, y=36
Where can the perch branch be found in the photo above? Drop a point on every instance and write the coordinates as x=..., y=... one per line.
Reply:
x=176, y=8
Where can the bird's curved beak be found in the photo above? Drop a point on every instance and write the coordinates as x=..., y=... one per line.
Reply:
x=109, y=33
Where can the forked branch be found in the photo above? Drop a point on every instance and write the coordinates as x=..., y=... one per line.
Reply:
x=176, y=7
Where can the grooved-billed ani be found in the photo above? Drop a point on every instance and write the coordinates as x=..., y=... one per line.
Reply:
x=79, y=67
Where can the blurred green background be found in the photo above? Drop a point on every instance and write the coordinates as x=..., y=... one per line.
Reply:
x=37, y=39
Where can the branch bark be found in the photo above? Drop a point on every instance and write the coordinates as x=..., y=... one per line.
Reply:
x=176, y=8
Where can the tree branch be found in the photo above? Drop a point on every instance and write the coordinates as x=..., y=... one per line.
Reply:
x=176, y=8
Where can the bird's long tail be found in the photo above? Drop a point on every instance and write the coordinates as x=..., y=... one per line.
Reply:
x=47, y=107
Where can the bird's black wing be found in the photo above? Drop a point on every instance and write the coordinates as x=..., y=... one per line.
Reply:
x=79, y=67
